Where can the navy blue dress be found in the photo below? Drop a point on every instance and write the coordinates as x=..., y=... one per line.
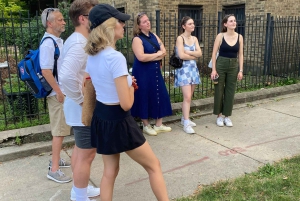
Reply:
x=152, y=98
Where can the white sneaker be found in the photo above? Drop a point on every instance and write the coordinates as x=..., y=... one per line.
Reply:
x=188, y=129
x=220, y=121
x=193, y=124
x=149, y=130
x=228, y=122
x=91, y=192
x=162, y=128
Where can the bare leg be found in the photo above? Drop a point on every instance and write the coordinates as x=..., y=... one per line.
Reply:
x=111, y=170
x=145, y=157
x=187, y=92
x=74, y=158
x=145, y=122
x=158, y=122
x=82, y=167
x=56, y=148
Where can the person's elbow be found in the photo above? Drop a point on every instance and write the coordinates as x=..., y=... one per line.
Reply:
x=141, y=58
x=126, y=106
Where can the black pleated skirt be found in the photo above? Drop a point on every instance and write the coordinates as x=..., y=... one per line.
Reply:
x=114, y=130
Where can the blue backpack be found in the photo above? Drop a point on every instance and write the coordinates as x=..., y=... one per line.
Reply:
x=30, y=72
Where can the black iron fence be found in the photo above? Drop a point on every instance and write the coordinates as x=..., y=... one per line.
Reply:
x=271, y=56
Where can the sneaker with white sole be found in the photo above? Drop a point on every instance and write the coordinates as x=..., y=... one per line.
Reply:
x=193, y=124
x=149, y=130
x=62, y=163
x=162, y=128
x=188, y=129
x=220, y=121
x=58, y=176
x=91, y=192
x=228, y=122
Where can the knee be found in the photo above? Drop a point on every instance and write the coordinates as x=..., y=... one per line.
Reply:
x=187, y=99
x=154, y=167
x=111, y=172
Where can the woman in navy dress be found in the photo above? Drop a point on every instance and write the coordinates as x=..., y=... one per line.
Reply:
x=152, y=98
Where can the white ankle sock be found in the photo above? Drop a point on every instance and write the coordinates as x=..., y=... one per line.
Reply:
x=81, y=193
x=186, y=122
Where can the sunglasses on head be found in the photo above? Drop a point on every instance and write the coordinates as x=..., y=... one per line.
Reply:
x=139, y=15
x=48, y=11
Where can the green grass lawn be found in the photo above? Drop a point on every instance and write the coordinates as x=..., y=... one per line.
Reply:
x=277, y=182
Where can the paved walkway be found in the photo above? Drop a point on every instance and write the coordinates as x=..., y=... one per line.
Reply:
x=264, y=131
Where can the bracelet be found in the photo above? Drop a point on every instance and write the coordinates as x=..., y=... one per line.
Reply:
x=241, y=70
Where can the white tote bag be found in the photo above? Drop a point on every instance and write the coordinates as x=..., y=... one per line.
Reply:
x=210, y=62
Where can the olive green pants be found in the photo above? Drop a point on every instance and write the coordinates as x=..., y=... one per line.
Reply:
x=227, y=68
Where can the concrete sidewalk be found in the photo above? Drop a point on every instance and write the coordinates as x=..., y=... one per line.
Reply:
x=264, y=131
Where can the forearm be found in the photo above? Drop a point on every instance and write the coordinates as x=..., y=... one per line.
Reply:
x=148, y=57
x=51, y=80
x=241, y=62
x=196, y=54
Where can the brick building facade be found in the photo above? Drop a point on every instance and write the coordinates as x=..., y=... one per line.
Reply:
x=251, y=17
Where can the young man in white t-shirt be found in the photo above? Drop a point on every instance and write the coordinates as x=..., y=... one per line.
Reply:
x=71, y=75
x=54, y=23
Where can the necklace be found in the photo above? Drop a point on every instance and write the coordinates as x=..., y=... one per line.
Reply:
x=188, y=37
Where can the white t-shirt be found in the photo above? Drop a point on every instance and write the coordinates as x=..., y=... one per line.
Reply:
x=47, y=56
x=103, y=68
x=71, y=76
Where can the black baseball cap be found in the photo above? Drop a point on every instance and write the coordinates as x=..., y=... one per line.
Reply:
x=102, y=12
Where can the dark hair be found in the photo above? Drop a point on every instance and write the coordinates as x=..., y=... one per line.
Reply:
x=183, y=22
x=80, y=7
x=225, y=20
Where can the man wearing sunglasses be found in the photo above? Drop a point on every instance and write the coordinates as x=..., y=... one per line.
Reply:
x=53, y=21
x=72, y=75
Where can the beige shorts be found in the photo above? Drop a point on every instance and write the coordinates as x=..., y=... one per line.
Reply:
x=57, y=118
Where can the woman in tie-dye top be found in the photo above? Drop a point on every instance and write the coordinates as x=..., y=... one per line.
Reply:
x=187, y=77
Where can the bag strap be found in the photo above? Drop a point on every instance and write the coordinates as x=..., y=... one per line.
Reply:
x=56, y=56
x=175, y=44
x=151, y=42
x=221, y=41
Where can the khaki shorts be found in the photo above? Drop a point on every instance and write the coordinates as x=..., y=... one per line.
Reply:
x=58, y=124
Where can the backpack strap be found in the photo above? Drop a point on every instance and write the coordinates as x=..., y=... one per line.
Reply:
x=56, y=56
x=151, y=42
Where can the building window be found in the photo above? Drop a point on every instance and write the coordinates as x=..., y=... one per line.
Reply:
x=194, y=12
x=121, y=9
x=239, y=13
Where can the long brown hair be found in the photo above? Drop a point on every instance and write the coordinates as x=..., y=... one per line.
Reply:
x=183, y=23
x=225, y=20
x=136, y=23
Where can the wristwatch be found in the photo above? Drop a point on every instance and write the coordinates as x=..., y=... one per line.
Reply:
x=241, y=70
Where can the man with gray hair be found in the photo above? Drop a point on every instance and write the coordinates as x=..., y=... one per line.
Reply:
x=54, y=23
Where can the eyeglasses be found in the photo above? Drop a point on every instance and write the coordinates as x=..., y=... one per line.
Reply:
x=48, y=11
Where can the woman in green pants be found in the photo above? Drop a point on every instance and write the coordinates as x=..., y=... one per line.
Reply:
x=228, y=67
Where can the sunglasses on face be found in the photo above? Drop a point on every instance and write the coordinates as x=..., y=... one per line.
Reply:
x=48, y=11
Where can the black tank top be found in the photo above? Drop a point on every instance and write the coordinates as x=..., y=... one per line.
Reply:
x=229, y=51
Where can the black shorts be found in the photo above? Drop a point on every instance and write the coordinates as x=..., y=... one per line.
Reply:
x=114, y=130
x=82, y=137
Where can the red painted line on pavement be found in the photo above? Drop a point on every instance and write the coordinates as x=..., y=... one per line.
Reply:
x=171, y=170
x=284, y=138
